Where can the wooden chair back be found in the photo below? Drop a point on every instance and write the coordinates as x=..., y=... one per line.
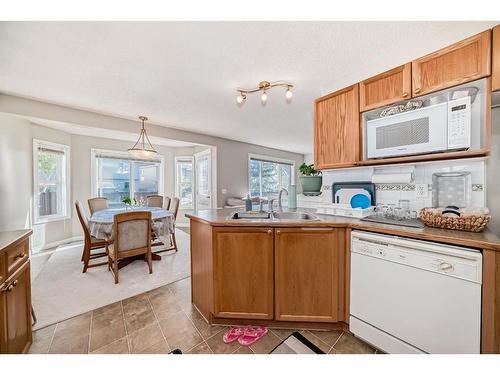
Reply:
x=154, y=201
x=82, y=217
x=97, y=204
x=174, y=206
x=167, y=203
x=132, y=234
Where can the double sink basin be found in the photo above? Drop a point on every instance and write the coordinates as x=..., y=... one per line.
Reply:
x=274, y=216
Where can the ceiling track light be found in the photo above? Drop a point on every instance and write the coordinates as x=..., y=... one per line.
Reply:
x=263, y=87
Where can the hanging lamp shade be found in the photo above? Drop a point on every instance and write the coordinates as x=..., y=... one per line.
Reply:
x=143, y=149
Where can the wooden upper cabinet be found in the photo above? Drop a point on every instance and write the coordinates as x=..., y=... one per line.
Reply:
x=495, y=71
x=307, y=275
x=386, y=88
x=461, y=62
x=244, y=273
x=336, y=129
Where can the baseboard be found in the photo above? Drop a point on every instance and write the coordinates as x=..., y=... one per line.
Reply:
x=55, y=244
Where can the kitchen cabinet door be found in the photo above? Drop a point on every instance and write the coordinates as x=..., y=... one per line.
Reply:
x=15, y=301
x=386, y=88
x=336, y=129
x=308, y=275
x=461, y=62
x=495, y=73
x=244, y=273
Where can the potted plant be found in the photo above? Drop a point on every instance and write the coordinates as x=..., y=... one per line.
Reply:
x=310, y=179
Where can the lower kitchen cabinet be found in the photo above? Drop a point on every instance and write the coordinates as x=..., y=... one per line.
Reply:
x=243, y=273
x=309, y=266
x=15, y=308
x=15, y=292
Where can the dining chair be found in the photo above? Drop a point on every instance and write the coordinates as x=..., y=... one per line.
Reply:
x=90, y=242
x=97, y=204
x=131, y=237
x=167, y=203
x=175, y=209
x=154, y=201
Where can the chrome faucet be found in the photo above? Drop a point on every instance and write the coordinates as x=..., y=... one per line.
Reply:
x=270, y=205
x=280, y=206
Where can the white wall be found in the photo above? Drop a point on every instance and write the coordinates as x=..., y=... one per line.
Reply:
x=16, y=181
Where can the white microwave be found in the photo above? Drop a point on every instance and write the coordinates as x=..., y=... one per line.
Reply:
x=436, y=128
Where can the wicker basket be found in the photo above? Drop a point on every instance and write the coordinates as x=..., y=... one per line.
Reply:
x=433, y=217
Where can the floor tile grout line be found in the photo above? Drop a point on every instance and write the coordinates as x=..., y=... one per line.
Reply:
x=90, y=331
x=52, y=338
x=197, y=330
x=336, y=341
x=125, y=325
x=158, y=323
x=323, y=341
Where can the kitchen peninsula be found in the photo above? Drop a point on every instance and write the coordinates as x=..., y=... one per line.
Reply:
x=296, y=273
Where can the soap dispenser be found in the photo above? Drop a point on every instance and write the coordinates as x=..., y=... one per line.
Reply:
x=248, y=203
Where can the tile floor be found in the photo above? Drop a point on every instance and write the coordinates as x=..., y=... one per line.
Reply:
x=161, y=320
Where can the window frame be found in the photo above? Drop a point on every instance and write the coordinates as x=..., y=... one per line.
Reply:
x=270, y=159
x=95, y=152
x=65, y=178
x=190, y=159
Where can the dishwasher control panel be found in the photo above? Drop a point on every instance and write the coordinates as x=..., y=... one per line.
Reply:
x=450, y=260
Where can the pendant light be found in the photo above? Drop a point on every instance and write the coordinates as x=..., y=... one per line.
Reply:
x=143, y=149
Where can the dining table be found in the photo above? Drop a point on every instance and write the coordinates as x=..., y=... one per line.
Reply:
x=101, y=225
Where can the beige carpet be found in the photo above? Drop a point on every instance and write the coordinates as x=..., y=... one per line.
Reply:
x=62, y=291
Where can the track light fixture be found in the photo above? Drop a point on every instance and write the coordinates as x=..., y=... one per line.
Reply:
x=263, y=87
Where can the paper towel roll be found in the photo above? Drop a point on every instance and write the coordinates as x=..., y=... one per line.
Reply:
x=392, y=178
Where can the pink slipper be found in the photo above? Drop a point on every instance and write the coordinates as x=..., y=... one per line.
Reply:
x=232, y=334
x=251, y=335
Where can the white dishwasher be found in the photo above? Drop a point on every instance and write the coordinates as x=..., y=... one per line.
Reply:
x=411, y=296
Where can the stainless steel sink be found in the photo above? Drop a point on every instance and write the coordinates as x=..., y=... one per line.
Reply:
x=295, y=216
x=250, y=216
x=277, y=216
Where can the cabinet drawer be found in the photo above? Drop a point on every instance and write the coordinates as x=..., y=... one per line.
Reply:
x=16, y=256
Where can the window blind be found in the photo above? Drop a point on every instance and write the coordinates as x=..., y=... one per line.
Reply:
x=271, y=161
x=104, y=156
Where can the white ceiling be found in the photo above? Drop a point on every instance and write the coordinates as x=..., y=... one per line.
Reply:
x=184, y=74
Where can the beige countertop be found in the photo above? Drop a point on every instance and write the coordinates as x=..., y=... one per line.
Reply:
x=483, y=240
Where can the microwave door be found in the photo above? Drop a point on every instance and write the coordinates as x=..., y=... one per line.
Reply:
x=415, y=132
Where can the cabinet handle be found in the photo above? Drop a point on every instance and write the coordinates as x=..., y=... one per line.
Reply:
x=278, y=231
x=417, y=90
x=405, y=94
x=20, y=255
x=269, y=231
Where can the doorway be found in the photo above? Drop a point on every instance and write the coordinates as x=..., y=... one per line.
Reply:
x=204, y=192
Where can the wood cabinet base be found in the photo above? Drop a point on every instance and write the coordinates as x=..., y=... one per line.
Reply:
x=280, y=324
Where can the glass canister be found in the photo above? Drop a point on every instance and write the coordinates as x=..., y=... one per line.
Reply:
x=451, y=189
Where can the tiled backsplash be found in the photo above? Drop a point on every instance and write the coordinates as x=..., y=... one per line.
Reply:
x=422, y=174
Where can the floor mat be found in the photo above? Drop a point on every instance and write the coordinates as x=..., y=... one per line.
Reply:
x=62, y=291
x=297, y=344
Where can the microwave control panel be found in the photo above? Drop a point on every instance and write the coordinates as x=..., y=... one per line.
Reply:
x=459, y=123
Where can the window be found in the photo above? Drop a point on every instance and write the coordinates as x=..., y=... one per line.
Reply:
x=184, y=181
x=118, y=176
x=51, y=181
x=267, y=175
